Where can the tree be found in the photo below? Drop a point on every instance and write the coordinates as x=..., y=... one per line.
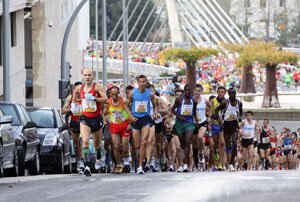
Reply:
x=190, y=57
x=271, y=58
x=114, y=12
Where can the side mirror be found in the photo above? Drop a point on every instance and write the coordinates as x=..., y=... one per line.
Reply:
x=6, y=119
x=30, y=124
x=64, y=127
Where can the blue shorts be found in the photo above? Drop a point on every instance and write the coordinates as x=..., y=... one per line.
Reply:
x=215, y=129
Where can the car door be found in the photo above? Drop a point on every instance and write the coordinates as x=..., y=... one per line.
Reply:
x=8, y=142
x=64, y=134
x=30, y=132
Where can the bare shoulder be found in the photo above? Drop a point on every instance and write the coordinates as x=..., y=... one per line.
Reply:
x=99, y=87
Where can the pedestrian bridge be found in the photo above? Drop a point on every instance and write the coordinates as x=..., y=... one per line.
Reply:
x=115, y=68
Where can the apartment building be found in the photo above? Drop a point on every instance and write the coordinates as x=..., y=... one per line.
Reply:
x=264, y=18
x=37, y=30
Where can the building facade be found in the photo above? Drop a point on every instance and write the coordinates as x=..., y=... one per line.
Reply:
x=38, y=28
x=262, y=19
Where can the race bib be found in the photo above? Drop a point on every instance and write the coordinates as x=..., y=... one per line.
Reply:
x=265, y=140
x=141, y=106
x=187, y=110
x=118, y=117
x=78, y=110
x=273, y=144
x=287, y=147
x=89, y=105
x=230, y=116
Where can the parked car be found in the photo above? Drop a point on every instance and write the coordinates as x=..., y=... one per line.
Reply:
x=8, y=154
x=25, y=138
x=55, y=150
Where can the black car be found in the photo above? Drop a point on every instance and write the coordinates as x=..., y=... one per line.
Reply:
x=55, y=139
x=26, y=138
x=8, y=154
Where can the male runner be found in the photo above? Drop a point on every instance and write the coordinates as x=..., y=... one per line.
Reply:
x=233, y=110
x=140, y=116
x=92, y=95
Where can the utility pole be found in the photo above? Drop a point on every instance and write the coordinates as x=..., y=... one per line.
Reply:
x=125, y=46
x=96, y=47
x=104, y=63
x=6, y=51
x=64, y=64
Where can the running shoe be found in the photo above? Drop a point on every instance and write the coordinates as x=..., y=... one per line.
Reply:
x=215, y=169
x=152, y=164
x=231, y=168
x=126, y=161
x=220, y=167
x=80, y=166
x=171, y=168
x=140, y=170
x=147, y=167
x=132, y=169
x=185, y=168
x=87, y=171
x=180, y=169
x=118, y=169
x=98, y=164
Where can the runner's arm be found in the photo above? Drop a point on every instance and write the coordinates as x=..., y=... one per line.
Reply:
x=208, y=109
x=103, y=99
x=175, y=105
x=163, y=107
x=75, y=93
x=66, y=108
x=153, y=100
x=127, y=103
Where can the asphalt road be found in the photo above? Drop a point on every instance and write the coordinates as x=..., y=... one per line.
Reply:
x=209, y=186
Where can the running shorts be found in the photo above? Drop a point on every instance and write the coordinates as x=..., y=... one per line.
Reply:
x=94, y=123
x=142, y=122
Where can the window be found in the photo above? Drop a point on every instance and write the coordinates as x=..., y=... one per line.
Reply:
x=9, y=109
x=13, y=29
x=247, y=3
x=281, y=3
x=263, y=3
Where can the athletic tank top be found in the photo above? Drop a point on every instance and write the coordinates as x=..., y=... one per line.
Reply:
x=90, y=108
x=200, y=110
x=287, y=143
x=141, y=103
x=265, y=136
x=232, y=112
x=249, y=130
x=273, y=141
x=186, y=110
x=117, y=114
x=215, y=104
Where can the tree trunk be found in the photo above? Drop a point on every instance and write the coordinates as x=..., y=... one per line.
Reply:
x=247, y=83
x=270, y=95
x=190, y=74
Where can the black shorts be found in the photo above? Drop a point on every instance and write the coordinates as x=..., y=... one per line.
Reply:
x=74, y=126
x=168, y=136
x=255, y=143
x=264, y=146
x=200, y=125
x=142, y=122
x=294, y=152
x=159, y=127
x=94, y=123
x=230, y=127
x=247, y=142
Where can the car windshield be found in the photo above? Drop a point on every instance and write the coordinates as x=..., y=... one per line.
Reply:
x=43, y=118
x=9, y=109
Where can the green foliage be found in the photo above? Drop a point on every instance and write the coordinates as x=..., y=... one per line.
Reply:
x=114, y=12
x=190, y=56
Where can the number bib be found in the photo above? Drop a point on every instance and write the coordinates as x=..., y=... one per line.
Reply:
x=118, y=117
x=89, y=105
x=273, y=144
x=265, y=140
x=230, y=116
x=141, y=106
x=187, y=110
x=78, y=110
x=287, y=147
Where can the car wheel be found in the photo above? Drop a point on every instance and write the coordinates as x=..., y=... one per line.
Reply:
x=34, y=168
x=60, y=163
x=21, y=161
x=1, y=160
x=68, y=168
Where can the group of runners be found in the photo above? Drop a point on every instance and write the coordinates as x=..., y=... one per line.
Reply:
x=144, y=133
